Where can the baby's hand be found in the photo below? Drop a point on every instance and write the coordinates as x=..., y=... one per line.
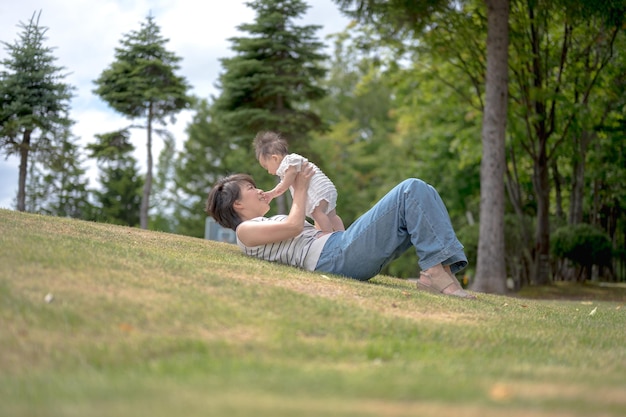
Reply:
x=268, y=197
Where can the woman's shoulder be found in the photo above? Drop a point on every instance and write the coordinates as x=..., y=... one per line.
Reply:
x=277, y=217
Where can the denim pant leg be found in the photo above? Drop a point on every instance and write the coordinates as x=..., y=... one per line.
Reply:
x=411, y=214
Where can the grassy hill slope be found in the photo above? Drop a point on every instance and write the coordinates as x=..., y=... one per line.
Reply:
x=102, y=320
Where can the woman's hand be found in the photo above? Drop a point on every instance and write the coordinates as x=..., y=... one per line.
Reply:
x=303, y=179
x=252, y=233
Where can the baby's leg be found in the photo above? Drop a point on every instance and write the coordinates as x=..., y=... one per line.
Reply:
x=322, y=222
x=336, y=221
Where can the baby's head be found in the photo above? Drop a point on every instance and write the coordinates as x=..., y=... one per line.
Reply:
x=270, y=143
x=270, y=148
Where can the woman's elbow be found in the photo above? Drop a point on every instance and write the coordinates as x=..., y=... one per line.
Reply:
x=295, y=229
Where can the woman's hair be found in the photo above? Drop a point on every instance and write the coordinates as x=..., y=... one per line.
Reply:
x=225, y=192
x=269, y=143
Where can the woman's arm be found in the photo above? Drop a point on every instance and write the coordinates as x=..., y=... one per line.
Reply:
x=261, y=233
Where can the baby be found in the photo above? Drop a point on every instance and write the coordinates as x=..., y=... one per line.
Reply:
x=271, y=151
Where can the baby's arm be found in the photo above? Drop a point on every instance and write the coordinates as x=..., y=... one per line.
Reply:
x=283, y=185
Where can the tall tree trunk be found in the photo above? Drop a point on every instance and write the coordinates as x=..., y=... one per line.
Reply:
x=523, y=261
x=491, y=268
x=21, y=185
x=578, y=179
x=541, y=183
x=147, y=186
x=558, y=193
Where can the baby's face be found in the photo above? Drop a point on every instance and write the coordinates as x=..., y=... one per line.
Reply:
x=270, y=163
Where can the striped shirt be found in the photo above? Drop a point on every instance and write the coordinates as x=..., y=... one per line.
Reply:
x=302, y=251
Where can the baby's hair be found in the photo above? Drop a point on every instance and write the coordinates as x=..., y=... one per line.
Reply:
x=269, y=143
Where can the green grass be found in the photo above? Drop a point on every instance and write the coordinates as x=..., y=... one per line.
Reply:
x=148, y=323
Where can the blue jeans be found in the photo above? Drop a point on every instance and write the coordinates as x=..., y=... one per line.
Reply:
x=411, y=214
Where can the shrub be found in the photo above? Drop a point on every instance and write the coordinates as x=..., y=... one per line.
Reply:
x=582, y=244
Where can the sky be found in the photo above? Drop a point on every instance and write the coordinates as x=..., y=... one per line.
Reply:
x=84, y=35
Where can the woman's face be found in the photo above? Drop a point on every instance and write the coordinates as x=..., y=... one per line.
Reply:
x=251, y=202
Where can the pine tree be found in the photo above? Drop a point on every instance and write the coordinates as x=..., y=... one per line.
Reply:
x=34, y=101
x=273, y=78
x=141, y=83
x=120, y=196
x=61, y=186
x=206, y=156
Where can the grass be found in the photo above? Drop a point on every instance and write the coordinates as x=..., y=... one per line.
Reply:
x=148, y=323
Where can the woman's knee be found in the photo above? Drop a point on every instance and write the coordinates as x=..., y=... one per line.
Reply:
x=415, y=184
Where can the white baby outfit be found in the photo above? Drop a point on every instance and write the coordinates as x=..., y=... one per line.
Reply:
x=320, y=187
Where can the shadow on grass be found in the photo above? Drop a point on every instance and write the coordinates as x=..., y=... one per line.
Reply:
x=591, y=291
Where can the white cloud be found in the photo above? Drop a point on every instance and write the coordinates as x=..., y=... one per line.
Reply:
x=85, y=35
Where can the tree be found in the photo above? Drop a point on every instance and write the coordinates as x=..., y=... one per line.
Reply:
x=58, y=186
x=490, y=266
x=561, y=49
x=398, y=19
x=34, y=101
x=120, y=194
x=141, y=83
x=206, y=156
x=274, y=77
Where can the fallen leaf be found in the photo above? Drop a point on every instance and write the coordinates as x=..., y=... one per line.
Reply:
x=125, y=327
x=500, y=392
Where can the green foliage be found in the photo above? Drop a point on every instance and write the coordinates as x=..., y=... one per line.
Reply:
x=119, y=198
x=274, y=76
x=32, y=94
x=34, y=100
x=559, y=102
x=207, y=154
x=438, y=135
x=518, y=247
x=468, y=235
x=142, y=81
x=57, y=185
x=357, y=153
x=165, y=199
x=395, y=18
x=582, y=244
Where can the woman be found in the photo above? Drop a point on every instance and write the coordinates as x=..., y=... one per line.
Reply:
x=411, y=214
